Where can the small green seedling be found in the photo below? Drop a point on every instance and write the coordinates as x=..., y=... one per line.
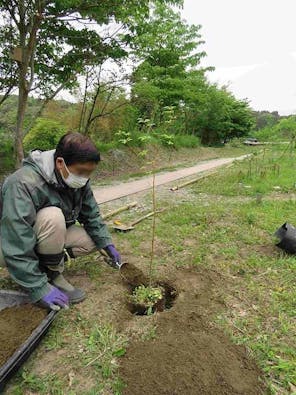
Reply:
x=147, y=296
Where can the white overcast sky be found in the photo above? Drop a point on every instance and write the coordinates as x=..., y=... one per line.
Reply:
x=252, y=44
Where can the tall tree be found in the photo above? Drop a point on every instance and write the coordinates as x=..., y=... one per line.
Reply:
x=219, y=116
x=53, y=42
x=167, y=48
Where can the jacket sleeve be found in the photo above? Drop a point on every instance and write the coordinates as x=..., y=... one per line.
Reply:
x=92, y=221
x=18, y=240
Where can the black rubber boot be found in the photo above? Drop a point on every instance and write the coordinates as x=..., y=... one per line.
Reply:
x=75, y=295
x=48, y=261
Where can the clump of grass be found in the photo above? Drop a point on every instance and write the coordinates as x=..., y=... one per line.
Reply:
x=102, y=347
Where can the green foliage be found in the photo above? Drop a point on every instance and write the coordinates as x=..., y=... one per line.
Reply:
x=167, y=46
x=284, y=130
x=222, y=117
x=171, y=91
x=124, y=138
x=186, y=141
x=171, y=102
x=44, y=135
x=6, y=152
x=167, y=140
x=61, y=53
x=266, y=134
x=102, y=345
x=105, y=147
x=266, y=119
x=146, y=296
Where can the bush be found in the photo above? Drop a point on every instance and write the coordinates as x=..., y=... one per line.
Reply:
x=284, y=130
x=44, y=135
x=105, y=147
x=143, y=139
x=267, y=134
x=236, y=142
x=6, y=153
x=186, y=141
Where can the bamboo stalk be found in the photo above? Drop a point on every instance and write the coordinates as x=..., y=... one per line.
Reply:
x=185, y=184
x=119, y=210
x=153, y=232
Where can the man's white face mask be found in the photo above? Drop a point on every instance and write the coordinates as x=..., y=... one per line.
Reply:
x=74, y=181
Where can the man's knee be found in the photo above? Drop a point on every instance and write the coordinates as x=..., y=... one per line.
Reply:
x=50, y=228
x=78, y=242
x=50, y=219
x=85, y=248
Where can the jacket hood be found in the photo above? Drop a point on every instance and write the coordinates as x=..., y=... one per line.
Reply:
x=43, y=163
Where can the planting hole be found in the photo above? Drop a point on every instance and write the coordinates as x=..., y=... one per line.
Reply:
x=149, y=300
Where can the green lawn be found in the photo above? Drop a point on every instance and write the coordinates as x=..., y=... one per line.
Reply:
x=224, y=223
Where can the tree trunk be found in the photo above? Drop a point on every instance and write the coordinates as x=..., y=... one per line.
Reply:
x=22, y=105
x=27, y=42
x=209, y=137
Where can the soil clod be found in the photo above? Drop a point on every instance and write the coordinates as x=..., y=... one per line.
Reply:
x=133, y=276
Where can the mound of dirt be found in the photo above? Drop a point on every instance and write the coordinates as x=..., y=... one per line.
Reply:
x=16, y=325
x=190, y=355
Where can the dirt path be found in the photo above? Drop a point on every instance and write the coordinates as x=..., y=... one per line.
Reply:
x=106, y=194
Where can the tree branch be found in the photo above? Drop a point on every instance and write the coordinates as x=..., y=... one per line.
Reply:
x=6, y=95
x=94, y=101
x=42, y=107
x=102, y=115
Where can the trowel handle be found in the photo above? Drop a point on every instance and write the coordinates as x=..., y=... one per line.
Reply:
x=110, y=261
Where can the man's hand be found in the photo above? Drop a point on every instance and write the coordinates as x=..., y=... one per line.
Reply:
x=115, y=260
x=54, y=300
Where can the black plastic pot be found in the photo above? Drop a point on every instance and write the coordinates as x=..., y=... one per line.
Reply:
x=286, y=236
x=14, y=298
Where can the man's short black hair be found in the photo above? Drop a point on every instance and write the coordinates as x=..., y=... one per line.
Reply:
x=76, y=148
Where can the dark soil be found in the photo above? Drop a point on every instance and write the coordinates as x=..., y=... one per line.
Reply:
x=190, y=355
x=16, y=325
x=133, y=276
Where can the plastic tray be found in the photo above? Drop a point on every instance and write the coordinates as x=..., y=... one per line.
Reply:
x=11, y=366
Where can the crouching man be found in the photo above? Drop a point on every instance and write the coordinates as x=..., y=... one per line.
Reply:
x=39, y=206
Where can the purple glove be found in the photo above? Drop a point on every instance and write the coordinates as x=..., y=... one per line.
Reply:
x=54, y=299
x=114, y=255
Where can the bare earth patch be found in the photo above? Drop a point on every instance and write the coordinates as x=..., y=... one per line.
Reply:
x=189, y=354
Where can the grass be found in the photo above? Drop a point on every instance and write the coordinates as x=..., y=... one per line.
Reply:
x=223, y=226
x=226, y=227
x=269, y=170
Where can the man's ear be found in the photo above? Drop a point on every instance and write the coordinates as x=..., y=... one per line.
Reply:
x=59, y=162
